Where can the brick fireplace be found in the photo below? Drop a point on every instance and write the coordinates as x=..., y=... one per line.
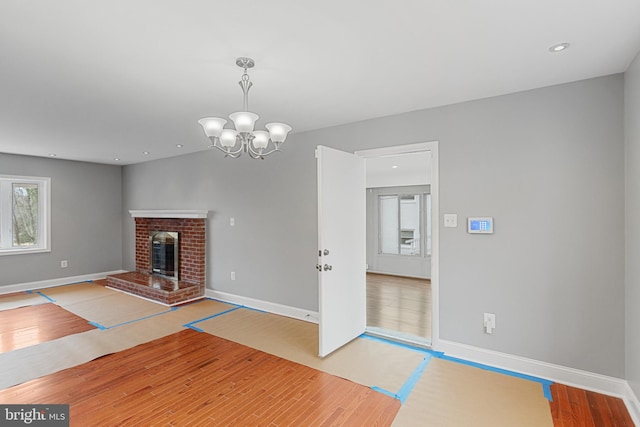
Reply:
x=190, y=226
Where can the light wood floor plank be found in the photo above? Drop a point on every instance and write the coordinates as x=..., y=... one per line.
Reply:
x=27, y=326
x=399, y=304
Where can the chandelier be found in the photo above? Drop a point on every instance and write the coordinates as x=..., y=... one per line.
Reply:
x=233, y=142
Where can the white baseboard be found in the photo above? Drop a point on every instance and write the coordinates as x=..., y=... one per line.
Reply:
x=633, y=405
x=271, y=307
x=573, y=377
x=20, y=287
x=557, y=373
x=398, y=275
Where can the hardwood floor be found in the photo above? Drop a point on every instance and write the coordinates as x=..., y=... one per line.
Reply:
x=581, y=408
x=199, y=379
x=399, y=304
x=26, y=326
x=193, y=378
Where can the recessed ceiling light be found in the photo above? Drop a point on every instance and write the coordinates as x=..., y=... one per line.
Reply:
x=145, y=152
x=117, y=159
x=394, y=167
x=53, y=155
x=558, y=47
x=179, y=145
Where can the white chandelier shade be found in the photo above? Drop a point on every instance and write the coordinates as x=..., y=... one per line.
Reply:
x=253, y=142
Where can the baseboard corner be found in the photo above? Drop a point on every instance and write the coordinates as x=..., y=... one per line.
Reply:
x=633, y=404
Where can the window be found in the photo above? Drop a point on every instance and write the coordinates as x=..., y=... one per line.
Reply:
x=24, y=214
x=401, y=224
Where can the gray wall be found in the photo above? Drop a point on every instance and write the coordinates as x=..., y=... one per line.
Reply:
x=86, y=220
x=547, y=164
x=632, y=131
x=271, y=248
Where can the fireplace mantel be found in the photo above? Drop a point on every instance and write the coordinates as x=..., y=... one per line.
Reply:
x=169, y=213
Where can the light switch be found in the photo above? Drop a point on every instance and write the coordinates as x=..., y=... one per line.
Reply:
x=232, y=222
x=450, y=220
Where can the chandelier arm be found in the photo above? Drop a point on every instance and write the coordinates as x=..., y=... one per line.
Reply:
x=255, y=155
x=262, y=154
x=225, y=151
x=232, y=155
x=252, y=152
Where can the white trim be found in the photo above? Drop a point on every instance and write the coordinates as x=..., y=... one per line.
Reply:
x=271, y=307
x=398, y=275
x=570, y=376
x=431, y=146
x=633, y=405
x=169, y=213
x=44, y=213
x=23, y=251
x=397, y=149
x=562, y=374
x=20, y=287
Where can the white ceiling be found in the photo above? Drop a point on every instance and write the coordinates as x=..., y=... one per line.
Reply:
x=93, y=80
x=398, y=170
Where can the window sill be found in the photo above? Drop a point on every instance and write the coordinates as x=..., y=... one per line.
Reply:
x=23, y=251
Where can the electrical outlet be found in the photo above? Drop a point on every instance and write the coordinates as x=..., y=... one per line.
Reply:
x=489, y=322
x=233, y=275
x=64, y=263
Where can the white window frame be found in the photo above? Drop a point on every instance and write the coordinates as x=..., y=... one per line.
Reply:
x=6, y=214
x=423, y=249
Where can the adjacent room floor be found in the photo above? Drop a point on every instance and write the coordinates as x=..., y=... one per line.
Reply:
x=399, y=306
x=213, y=363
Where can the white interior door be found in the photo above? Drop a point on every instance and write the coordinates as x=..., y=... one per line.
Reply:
x=342, y=251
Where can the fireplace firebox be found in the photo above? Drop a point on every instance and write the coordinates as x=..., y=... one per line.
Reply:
x=182, y=253
x=165, y=254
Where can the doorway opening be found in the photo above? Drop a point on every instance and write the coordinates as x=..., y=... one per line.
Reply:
x=402, y=258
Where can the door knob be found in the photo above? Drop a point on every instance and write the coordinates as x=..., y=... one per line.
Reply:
x=327, y=267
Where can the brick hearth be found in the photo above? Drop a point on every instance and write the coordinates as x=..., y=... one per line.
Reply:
x=191, y=226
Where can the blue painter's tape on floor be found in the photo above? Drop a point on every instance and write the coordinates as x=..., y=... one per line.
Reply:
x=43, y=295
x=383, y=391
x=407, y=387
x=396, y=343
x=98, y=325
x=546, y=389
x=190, y=324
x=195, y=328
x=546, y=384
x=224, y=302
x=253, y=309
